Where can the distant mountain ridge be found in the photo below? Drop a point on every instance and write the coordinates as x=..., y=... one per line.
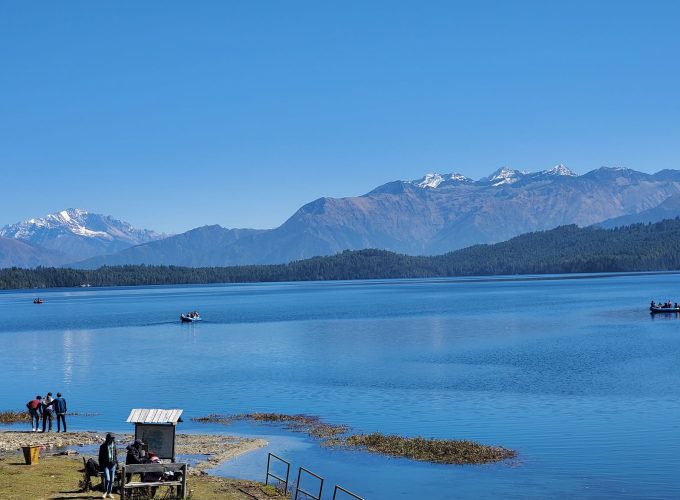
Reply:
x=75, y=234
x=435, y=214
x=566, y=249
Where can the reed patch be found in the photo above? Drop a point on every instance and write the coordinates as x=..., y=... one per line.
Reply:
x=443, y=451
x=14, y=417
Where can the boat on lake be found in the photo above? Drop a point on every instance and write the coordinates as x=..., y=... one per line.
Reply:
x=38, y=300
x=190, y=317
x=657, y=309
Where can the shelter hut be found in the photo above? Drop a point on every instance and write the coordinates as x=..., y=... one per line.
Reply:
x=157, y=429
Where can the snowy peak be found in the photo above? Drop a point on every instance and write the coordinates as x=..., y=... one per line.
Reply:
x=434, y=180
x=558, y=170
x=76, y=232
x=431, y=180
x=504, y=176
x=73, y=220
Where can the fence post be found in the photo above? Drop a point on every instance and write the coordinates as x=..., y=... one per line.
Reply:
x=298, y=489
x=280, y=479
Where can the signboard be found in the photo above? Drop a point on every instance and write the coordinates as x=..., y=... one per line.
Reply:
x=160, y=439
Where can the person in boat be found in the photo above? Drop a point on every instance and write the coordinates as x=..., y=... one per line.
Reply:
x=653, y=304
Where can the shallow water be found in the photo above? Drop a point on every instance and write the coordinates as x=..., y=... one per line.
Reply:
x=574, y=374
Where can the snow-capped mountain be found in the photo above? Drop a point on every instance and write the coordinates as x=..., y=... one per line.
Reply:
x=432, y=215
x=558, y=170
x=78, y=234
x=434, y=180
x=502, y=176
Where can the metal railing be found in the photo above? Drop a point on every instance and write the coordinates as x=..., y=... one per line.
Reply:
x=340, y=488
x=300, y=490
x=307, y=472
x=271, y=474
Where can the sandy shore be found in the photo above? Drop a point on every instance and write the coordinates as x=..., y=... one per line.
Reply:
x=215, y=448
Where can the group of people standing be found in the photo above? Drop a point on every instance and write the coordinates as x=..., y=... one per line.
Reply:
x=47, y=409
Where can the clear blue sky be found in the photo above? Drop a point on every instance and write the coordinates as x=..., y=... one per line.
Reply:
x=172, y=115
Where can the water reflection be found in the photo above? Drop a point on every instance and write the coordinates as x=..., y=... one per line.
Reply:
x=665, y=316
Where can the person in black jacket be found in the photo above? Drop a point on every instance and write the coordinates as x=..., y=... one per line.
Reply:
x=108, y=461
x=136, y=453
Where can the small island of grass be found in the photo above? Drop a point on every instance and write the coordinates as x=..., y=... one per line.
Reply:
x=14, y=417
x=443, y=451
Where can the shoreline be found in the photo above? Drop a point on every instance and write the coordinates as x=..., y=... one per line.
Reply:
x=213, y=449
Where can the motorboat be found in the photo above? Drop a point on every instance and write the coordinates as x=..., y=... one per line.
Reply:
x=38, y=300
x=190, y=317
x=657, y=309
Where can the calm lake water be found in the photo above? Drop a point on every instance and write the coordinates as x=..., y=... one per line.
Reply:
x=574, y=374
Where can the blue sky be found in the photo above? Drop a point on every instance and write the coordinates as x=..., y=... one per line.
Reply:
x=172, y=115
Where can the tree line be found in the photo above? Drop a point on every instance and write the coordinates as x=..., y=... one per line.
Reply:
x=566, y=249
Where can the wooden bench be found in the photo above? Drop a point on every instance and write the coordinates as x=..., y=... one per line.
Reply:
x=127, y=487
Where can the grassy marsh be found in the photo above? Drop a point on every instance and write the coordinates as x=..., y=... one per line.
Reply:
x=444, y=451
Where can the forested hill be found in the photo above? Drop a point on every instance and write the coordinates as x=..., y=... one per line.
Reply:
x=566, y=249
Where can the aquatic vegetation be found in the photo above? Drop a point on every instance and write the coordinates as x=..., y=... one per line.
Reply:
x=213, y=418
x=444, y=451
x=309, y=424
x=14, y=417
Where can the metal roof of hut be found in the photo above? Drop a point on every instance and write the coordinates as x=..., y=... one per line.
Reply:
x=154, y=416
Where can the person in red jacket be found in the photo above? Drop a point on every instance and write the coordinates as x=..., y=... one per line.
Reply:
x=34, y=411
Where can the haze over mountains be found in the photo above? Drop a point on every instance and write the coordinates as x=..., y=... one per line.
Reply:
x=432, y=215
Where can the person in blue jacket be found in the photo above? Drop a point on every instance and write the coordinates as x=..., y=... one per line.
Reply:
x=59, y=404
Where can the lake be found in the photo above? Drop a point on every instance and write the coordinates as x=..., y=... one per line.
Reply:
x=571, y=371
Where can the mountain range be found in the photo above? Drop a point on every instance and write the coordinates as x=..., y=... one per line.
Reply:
x=67, y=236
x=432, y=215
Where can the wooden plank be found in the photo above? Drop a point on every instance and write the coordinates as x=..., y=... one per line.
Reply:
x=141, y=468
x=138, y=484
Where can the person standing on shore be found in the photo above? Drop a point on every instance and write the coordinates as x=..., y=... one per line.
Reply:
x=60, y=407
x=34, y=410
x=47, y=408
x=108, y=461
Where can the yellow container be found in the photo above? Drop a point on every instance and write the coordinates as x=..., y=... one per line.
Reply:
x=31, y=454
